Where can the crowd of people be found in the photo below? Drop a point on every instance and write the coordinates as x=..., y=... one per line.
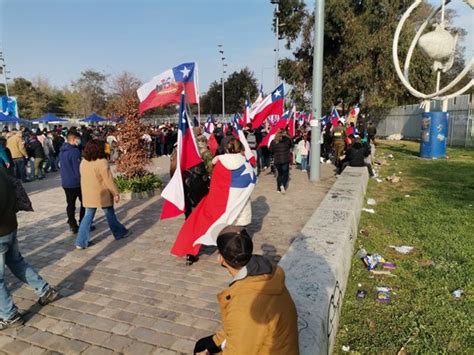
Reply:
x=256, y=306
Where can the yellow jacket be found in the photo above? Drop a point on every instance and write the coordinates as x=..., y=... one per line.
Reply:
x=258, y=314
x=16, y=146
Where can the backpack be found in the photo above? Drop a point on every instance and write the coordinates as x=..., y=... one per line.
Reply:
x=196, y=184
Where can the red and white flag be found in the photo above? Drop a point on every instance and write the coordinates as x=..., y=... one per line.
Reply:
x=292, y=122
x=271, y=105
x=166, y=88
x=267, y=140
x=187, y=157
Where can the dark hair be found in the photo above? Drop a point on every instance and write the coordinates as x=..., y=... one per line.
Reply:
x=95, y=149
x=234, y=146
x=73, y=133
x=229, y=131
x=236, y=247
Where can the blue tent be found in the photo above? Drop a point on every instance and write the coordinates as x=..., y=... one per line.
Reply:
x=94, y=118
x=49, y=118
x=8, y=119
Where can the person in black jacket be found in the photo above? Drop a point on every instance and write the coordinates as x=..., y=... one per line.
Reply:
x=35, y=150
x=355, y=156
x=281, y=150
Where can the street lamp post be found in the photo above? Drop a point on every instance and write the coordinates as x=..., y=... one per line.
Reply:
x=277, y=45
x=3, y=69
x=317, y=90
x=221, y=51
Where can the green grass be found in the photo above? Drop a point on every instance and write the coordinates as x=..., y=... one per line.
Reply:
x=438, y=220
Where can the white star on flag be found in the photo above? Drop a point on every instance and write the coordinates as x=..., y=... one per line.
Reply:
x=277, y=93
x=185, y=72
x=248, y=170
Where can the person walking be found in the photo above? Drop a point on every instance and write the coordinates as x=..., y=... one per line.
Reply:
x=281, y=150
x=17, y=149
x=304, y=147
x=70, y=160
x=10, y=256
x=35, y=150
x=98, y=191
x=257, y=311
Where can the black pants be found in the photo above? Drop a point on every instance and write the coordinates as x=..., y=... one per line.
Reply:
x=72, y=194
x=283, y=175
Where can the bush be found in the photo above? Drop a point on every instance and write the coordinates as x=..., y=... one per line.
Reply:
x=147, y=182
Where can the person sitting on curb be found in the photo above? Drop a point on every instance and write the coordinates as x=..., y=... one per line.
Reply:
x=258, y=314
x=355, y=156
x=10, y=256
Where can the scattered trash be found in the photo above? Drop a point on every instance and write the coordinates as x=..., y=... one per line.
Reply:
x=383, y=294
x=381, y=162
x=379, y=180
x=390, y=156
x=373, y=260
x=403, y=249
x=407, y=195
x=359, y=285
x=371, y=202
x=402, y=351
x=362, y=253
x=346, y=348
x=393, y=179
x=369, y=210
x=382, y=273
x=361, y=294
x=388, y=265
x=457, y=293
x=395, y=137
x=364, y=232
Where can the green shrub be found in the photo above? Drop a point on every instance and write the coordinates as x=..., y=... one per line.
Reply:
x=147, y=182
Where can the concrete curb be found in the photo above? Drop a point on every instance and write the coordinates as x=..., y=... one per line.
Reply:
x=318, y=261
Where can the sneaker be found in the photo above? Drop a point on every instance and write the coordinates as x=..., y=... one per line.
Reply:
x=282, y=190
x=16, y=321
x=50, y=296
x=92, y=228
x=91, y=243
x=126, y=235
x=191, y=259
x=74, y=229
x=304, y=170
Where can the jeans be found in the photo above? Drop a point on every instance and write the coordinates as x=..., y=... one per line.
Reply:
x=20, y=169
x=72, y=194
x=118, y=230
x=304, y=162
x=283, y=175
x=10, y=256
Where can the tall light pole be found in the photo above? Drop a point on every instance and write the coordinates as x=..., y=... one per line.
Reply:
x=277, y=45
x=317, y=90
x=221, y=52
x=263, y=69
x=3, y=69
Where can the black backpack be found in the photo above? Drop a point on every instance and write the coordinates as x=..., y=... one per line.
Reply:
x=252, y=140
x=196, y=184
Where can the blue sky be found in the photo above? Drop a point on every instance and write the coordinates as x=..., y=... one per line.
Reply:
x=57, y=39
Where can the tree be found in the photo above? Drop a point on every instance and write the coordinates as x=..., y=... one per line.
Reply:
x=90, y=91
x=237, y=86
x=123, y=88
x=32, y=103
x=357, y=52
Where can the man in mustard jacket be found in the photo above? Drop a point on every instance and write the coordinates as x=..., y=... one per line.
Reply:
x=258, y=314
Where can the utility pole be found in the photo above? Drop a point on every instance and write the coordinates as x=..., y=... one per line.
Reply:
x=277, y=44
x=317, y=90
x=221, y=51
x=3, y=69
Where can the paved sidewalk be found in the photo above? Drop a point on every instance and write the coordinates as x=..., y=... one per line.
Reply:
x=131, y=296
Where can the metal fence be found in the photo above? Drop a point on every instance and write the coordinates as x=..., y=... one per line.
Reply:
x=406, y=120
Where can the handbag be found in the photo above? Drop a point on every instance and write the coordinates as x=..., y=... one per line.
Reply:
x=23, y=202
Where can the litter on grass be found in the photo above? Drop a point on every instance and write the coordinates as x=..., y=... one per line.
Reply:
x=383, y=294
x=346, y=348
x=371, y=202
x=403, y=249
x=407, y=195
x=382, y=273
x=369, y=210
x=378, y=180
x=361, y=294
x=458, y=293
x=388, y=265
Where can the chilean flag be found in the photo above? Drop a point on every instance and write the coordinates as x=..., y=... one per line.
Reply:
x=267, y=140
x=241, y=137
x=233, y=180
x=209, y=127
x=291, y=122
x=187, y=157
x=246, y=119
x=165, y=88
x=334, y=117
x=259, y=99
x=271, y=105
